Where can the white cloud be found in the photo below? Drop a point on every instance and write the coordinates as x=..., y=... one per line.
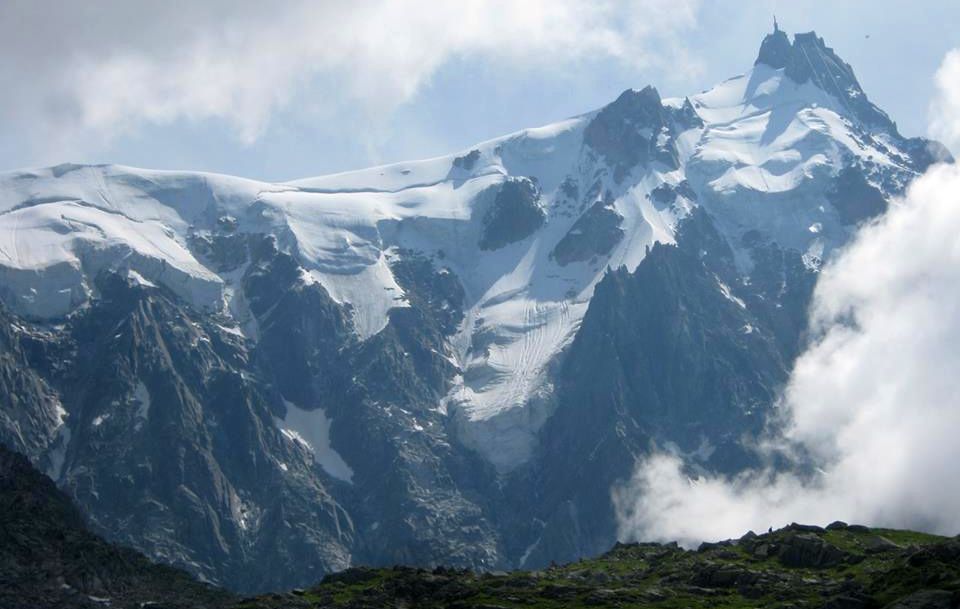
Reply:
x=876, y=400
x=945, y=109
x=96, y=70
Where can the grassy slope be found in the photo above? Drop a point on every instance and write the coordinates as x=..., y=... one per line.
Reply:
x=842, y=569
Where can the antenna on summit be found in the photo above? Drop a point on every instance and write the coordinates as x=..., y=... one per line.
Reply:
x=776, y=27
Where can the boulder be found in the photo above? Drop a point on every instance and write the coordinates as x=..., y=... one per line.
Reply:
x=810, y=551
x=877, y=544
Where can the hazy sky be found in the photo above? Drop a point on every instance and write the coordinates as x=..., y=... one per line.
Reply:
x=306, y=88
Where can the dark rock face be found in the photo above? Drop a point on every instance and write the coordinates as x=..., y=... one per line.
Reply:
x=302, y=352
x=413, y=497
x=669, y=351
x=29, y=407
x=421, y=497
x=514, y=214
x=49, y=559
x=436, y=292
x=781, y=287
x=416, y=496
x=636, y=129
x=594, y=234
x=168, y=421
x=854, y=198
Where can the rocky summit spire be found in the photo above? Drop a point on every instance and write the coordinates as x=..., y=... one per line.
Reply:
x=809, y=59
x=775, y=49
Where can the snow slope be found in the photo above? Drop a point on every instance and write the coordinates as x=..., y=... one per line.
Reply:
x=768, y=151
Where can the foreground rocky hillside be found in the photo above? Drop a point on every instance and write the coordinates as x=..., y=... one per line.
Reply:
x=840, y=567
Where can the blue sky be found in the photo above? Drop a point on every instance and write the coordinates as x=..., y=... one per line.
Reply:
x=304, y=89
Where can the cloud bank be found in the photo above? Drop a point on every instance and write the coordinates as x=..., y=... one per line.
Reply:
x=88, y=71
x=875, y=400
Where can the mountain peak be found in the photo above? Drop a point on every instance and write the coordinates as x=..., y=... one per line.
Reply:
x=648, y=96
x=809, y=59
x=626, y=131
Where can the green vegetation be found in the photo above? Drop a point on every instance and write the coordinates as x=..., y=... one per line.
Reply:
x=841, y=567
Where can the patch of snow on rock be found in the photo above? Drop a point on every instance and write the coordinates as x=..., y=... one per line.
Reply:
x=311, y=429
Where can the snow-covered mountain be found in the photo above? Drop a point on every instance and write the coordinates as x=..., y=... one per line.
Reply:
x=448, y=360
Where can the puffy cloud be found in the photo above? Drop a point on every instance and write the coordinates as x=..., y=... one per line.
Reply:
x=875, y=400
x=945, y=109
x=95, y=70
